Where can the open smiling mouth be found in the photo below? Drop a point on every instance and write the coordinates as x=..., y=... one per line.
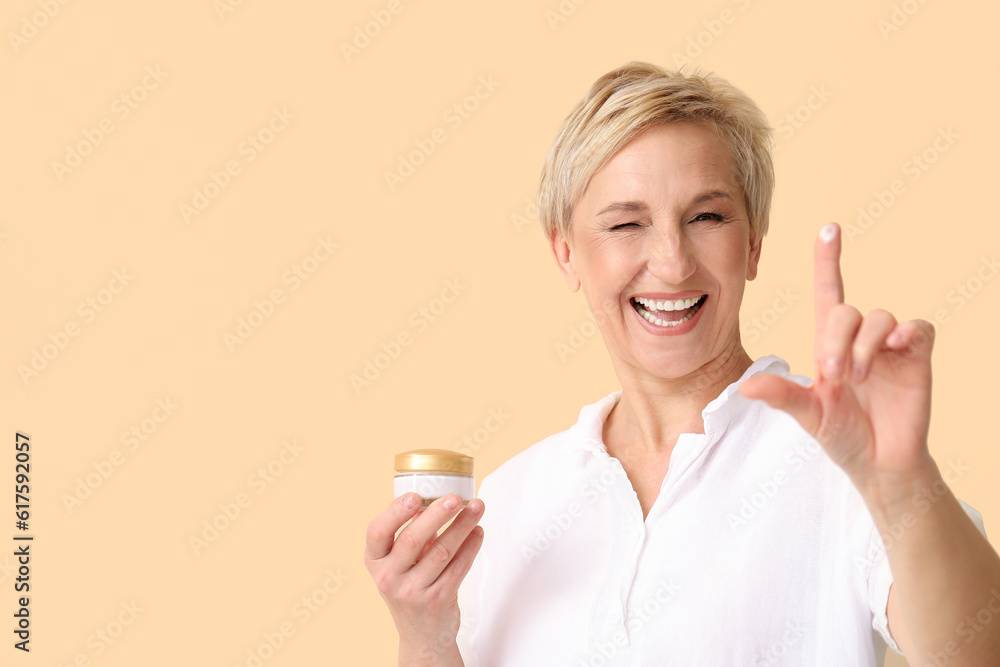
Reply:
x=655, y=312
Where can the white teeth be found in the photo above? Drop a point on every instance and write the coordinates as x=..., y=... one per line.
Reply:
x=664, y=323
x=668, y=306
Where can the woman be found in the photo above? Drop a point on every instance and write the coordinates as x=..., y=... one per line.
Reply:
x=716, y=510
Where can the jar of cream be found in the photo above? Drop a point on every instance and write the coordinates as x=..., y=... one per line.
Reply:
x=433, y=473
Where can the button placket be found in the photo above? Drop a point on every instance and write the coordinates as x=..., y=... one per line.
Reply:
x=626, y=535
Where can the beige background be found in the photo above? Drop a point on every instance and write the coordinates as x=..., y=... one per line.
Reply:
x=463, y=215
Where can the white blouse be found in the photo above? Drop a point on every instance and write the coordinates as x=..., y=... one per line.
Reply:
x=758, y=551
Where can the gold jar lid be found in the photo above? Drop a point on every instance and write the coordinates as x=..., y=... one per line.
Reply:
x=434, y=460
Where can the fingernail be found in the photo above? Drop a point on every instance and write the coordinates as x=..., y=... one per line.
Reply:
x=828, y=233
x=831, y=366
x=450, y=503
x=410, y=501
x=475, y=506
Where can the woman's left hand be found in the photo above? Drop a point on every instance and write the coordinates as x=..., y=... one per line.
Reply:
x=869, y=404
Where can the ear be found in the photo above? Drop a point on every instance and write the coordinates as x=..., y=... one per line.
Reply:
x=564, y=258
x=753, y=259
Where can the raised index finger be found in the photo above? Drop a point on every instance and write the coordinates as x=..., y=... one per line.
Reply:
x=829, y=284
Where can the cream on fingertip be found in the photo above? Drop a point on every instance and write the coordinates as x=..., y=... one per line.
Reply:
x=828, y=233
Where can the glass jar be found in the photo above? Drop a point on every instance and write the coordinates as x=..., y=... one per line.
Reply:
x=433, y=473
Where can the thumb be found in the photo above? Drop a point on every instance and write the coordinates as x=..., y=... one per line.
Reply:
x=790, y=397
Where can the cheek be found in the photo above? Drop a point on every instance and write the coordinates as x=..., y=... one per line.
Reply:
x=604, y=264
x=609, y=271
x=734, y=290
x=617, y=256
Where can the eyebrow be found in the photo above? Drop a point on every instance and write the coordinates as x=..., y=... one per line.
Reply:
x=633, y=206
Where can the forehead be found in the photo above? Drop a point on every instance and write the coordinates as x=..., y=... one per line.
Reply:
x=670, y=158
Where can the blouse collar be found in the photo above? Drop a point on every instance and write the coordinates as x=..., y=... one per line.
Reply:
x=587, y=432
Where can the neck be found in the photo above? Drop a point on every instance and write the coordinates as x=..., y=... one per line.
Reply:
x=652, y=414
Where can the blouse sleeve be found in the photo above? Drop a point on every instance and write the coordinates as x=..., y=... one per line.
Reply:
x=880, y=578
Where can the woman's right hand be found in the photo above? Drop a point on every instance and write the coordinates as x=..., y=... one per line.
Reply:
x=418, y=573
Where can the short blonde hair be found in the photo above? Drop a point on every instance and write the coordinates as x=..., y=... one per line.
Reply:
x=633, y=97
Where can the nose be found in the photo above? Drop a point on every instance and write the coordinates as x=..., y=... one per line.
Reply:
x=670, y=256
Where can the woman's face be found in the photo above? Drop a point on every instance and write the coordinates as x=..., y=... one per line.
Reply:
x=663, y=220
